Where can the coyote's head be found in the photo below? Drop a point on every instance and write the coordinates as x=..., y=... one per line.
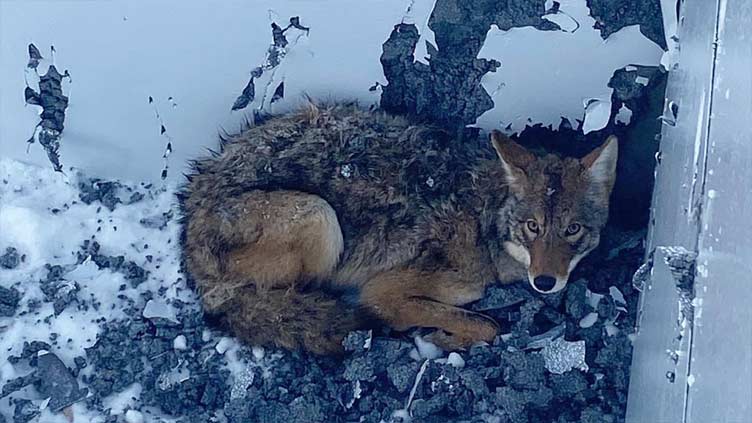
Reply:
x=560, y=207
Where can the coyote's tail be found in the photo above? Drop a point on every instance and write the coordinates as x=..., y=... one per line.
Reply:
x=292, y=318
x=315, y=320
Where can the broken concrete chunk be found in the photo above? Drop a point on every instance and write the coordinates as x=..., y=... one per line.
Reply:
x=56, y=382
x=561, y=356
x=681, y=262
x=9, y=299
x=25, y=411
x=498, y=297
x=10, y=259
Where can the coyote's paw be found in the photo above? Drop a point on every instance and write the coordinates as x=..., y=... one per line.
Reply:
x=478, y=328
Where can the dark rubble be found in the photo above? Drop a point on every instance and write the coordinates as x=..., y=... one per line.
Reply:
x=504, y=382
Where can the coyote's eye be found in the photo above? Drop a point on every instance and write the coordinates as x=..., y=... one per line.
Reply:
x=573, y=229
x=532, y=226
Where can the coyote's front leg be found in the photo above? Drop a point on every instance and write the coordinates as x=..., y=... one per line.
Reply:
x=410, y=298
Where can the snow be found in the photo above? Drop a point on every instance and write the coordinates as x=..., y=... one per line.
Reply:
x=122, y=401
x=179, y=343
x=455, y=360
x=133, y=416
x=42, y=216
x=427, y=350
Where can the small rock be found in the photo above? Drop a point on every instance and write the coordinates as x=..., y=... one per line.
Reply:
x=11, y=259
x=56, y=382
x=179, y=343
x=561, y=356
x=455, y=360
x=133, y=416
x=9, y=299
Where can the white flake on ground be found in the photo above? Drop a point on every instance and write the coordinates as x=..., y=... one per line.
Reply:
x=123, y=400
x=258, y=353
x=179, y=343
x=357, y=390
x=597, y=114
x=560, y=356
x=177, y=375
x=611, y=329
x=223, y=345
x=155, y=309
x=367, y=342
x=427, y=350
x=589, y=320
x=133, y=416
x=455, y=360
x=593, y=298
x=617, y=295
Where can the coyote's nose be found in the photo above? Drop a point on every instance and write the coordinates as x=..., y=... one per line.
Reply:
x=544, y=283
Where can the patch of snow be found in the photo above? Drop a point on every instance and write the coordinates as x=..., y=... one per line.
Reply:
x=179, y=343
x=123, y=400
x=133, y=416
x=427, y=350
x=42, y=216
x=455, y=360
x=258, y=353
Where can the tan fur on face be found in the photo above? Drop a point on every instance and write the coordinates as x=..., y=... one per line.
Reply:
x=555, y=193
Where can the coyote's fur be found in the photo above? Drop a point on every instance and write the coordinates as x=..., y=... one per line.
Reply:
x=311, y=224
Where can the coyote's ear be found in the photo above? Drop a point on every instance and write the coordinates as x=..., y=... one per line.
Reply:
x=514, y=158
x=600, y=166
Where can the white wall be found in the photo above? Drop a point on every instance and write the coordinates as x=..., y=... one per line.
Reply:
x=201, y=53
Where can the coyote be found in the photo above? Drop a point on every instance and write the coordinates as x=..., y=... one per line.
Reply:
x=319, y=222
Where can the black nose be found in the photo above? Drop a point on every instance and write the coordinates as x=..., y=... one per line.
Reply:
x=544, y=283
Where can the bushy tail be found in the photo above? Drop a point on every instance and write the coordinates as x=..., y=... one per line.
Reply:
x=287, y=318
x=314, y=320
